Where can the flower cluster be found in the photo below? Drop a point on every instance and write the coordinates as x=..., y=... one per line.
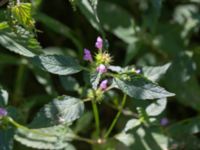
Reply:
x=102, y=61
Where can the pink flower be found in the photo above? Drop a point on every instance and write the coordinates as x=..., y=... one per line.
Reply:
x=101, y=68
x=87, y=55
x=103, y=85
x=99, y=43
x=3, y=112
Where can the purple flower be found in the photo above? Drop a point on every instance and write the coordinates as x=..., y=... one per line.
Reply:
x=138, y=71
x=101, y=68
x=164, y=122
x=3, y=112
x=87, y=55
x=103, y=85
x=99, y=43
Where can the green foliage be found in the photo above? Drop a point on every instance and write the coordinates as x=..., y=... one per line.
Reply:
x=57, y=64
x=61, y=110
x=143, y=88
x=56, y=137
x=147, y=52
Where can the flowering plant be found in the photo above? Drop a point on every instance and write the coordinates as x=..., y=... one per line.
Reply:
x=79, y=96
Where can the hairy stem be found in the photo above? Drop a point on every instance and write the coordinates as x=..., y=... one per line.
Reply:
x=96, y=116
x=116, y=117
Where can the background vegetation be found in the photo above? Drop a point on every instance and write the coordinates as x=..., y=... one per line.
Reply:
x=139, y=32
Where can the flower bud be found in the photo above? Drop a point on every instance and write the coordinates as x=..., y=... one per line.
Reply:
x=99, y=43
x=103, y=85
x=87, y=55
x=101, y=68
x=3, y=112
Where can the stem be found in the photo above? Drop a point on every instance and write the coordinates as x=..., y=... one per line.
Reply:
x=90, y=141
x=18, y=90
x=96, y=116
x=116, y=117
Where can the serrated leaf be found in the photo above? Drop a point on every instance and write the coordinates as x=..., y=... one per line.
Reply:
x=3, y=97
x=155, y=73
x=6, y=139
x=25, y=44
x=22, y=13
x=131, y=124
x=141, y=88
x=57, y=64
x=56, y=137
x=157, y=107
x=61, y=110
x=95, y=79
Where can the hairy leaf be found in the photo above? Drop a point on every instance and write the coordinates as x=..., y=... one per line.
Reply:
x=61, y=110
x=57, y=64
x=56, y=137
x=141, y=88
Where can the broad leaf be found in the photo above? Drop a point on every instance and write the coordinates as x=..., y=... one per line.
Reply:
x=25, y=44
x=56, y=137
x=123, y=29
x=155, y=73
x=126, y=138
x=157, y=107
x=61, y=110
x=57, y=64
x=131, y=124
x=141, y=88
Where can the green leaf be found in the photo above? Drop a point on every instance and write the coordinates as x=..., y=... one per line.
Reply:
x=126, y=138
x=25, y=44
x=87, y=10
x=62, y=29
x=61, y=110
x=149, y=139
x=3, y=97
x=157, y=107
x=56, y=137
x=141, y=88
x=57, y=64
x=69, y=83
x=83, y=122
x=6, y=139
x=152, y=14
x=132, y=51
x=186, y=127
x=182, y=80
x=123, y=29
x=131, y=124
x=155, y=73
x=44, y=79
